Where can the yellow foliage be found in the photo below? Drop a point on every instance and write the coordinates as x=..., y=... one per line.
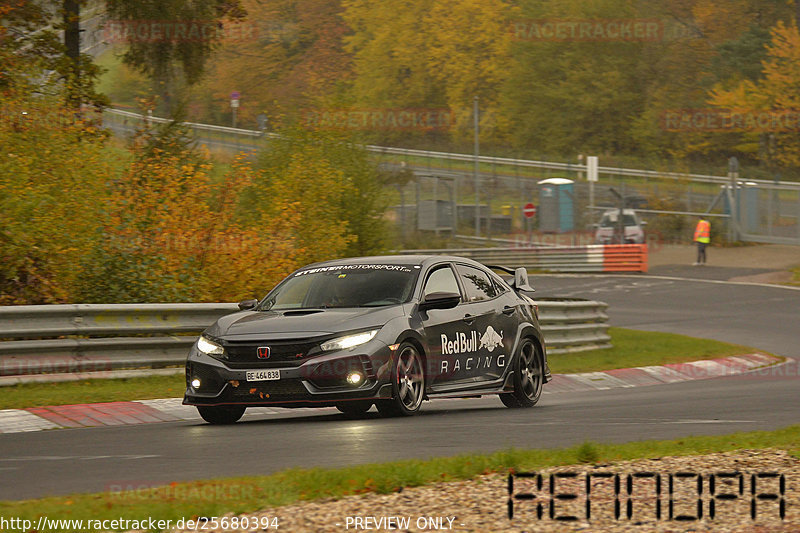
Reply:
x=776, y=92
x=425, y=53
x=52, y=174
x=307, y=197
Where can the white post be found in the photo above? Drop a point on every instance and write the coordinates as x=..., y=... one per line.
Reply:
x=591, y=176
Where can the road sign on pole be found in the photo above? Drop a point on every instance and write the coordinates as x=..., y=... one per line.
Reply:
x=529, y=210
x=234, y=105
x=591, y=168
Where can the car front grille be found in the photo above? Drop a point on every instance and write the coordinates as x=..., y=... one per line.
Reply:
x=282, y=353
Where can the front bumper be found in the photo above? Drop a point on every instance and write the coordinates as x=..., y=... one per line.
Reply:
x=319, y=381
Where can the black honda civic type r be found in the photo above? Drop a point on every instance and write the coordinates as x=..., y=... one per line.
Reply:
x=388, y=331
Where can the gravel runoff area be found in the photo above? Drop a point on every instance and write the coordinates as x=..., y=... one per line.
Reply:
x=482, y=505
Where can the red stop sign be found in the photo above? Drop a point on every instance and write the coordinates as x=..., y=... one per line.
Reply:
x=529, y=210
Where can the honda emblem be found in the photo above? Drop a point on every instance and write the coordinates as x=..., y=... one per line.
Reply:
x=263, y=352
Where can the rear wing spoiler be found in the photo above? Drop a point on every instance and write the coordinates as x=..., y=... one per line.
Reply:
x=520, y=282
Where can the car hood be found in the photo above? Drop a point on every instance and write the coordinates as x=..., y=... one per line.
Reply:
x=291, y=324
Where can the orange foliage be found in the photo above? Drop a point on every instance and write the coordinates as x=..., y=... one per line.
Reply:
x=173, y=210
x=287, y=58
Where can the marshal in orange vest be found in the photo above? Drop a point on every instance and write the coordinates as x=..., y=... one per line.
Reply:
x=702, y=232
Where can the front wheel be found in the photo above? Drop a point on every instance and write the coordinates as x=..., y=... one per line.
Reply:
x=528, y=377
x=408, y=383
x=219, y=415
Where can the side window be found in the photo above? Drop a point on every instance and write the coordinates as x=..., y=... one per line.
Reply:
x=499, y=284
x=477, y=284
x=441, y=280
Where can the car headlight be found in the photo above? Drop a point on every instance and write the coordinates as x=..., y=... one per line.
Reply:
x=348, y=341
x=209, y=347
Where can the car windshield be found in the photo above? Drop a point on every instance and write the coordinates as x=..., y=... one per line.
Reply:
x=610, y=220
x=343, y=286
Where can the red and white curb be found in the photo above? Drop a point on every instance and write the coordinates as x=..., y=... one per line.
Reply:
x=171, y=409
x=644, y=376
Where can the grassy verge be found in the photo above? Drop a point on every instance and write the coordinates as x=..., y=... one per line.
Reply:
x=641, y=348
x=91, y=391
x=630, y=348
x=796, y=278
x=247, y=494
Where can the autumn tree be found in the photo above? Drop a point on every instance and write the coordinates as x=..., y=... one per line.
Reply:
x=426, y=54
x=286, y=58
x=33, y=54
x=777, y=93
x=335, y=198
x=707, y=43
x=567, y=95
x=52, y=171
x=170, y=41
x=170, y=231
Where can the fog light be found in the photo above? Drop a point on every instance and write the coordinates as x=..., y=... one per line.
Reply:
x=196, y=383
x=354, y=378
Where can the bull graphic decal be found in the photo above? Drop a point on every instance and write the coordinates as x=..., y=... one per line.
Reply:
x=491, y=339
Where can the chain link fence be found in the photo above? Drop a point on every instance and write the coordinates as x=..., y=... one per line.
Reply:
x=444, y=193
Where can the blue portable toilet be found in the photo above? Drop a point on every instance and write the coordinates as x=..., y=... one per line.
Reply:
x=556, y=212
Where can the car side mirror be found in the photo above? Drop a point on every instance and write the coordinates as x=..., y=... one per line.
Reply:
x=440, y=300
x=244, y=305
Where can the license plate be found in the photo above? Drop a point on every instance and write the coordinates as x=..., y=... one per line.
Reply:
x=263, y=375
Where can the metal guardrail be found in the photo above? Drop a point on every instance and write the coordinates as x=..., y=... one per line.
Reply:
x=550, y=165
x=591, y=258
x=107, y=319
x=573, y=325
x=44, y=343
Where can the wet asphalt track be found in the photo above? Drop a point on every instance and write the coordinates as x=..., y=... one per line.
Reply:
x=96, y=459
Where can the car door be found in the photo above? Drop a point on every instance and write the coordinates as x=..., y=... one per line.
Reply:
x=442, y=327
x=484, y=319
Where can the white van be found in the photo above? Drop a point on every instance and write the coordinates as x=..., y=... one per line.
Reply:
x=606, y=229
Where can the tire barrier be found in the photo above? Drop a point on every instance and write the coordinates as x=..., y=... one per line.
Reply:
x=47, y=343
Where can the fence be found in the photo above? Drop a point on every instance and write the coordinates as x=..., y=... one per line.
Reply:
x=592, y=258
x=45, y=343
x=759, y=210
